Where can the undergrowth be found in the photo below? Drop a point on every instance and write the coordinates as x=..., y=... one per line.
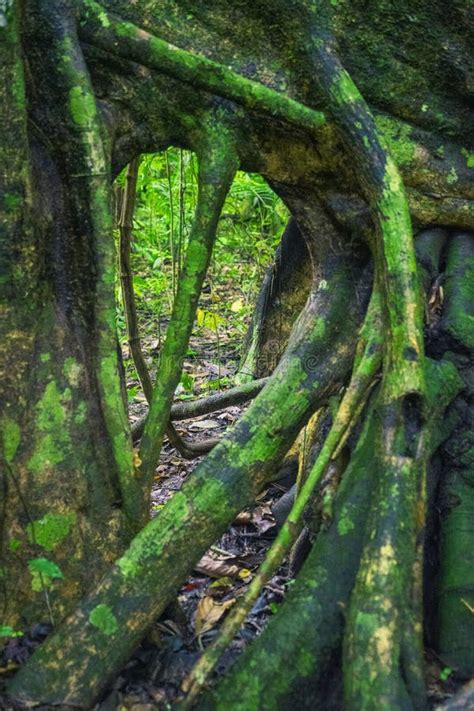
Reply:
x=249, y=230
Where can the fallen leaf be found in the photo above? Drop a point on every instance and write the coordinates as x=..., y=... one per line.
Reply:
x=225, y=582
x=237, y=306
x=263, y=518
x=216, y=568
x=208, y=613
x=204, y=425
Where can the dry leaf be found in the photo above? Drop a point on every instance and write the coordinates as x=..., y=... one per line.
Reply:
x=216, y=567
x=208, y=613
x=263, y=518
x=204, y=425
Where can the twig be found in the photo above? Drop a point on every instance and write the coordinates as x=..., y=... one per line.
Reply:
x=126, y=278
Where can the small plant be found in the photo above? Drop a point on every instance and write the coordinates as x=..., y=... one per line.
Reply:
x=445, y=673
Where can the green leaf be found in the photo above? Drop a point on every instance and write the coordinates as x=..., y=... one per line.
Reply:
x=7, y=631
x=187, y=381
x=43, y=572
x=208, y=319
x=445, y=673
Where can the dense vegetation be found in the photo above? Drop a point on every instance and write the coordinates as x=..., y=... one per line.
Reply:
x=250, y=228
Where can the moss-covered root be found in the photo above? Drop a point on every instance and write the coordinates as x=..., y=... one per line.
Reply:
x=308, y=628
x=455, y=592
x=458, y=313
x=86, y=166
x=218, y=163
x=129, y=41
x=282, y=295
x=76, y=663
x=352, y=402
x=383, y=660
x=394, y=248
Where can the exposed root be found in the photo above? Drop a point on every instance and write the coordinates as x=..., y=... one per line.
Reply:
x=203, y=406
x=143, y=581
x=353, y=400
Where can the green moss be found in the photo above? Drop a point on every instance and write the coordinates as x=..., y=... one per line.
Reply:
x=344, y=89
x=100, y=14
x=53, y=442
x=12, y=201
x=11, y=437
x=50, y=530
x=452, y=176
x=122, y=447
x=469, y=157
x=72, y=370
x=80, y=413
x=125, y=29
x=345, y=524
x=82, y=106
x=104, y=619
x=147, y=545
x=396, y=135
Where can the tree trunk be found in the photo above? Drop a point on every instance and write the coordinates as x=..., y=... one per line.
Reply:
x=67, y=449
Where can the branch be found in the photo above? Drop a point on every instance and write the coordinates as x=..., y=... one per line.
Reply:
x=203, y=406
x=131, y=42
x=126, y=278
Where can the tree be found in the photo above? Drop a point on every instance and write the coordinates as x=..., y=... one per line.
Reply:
x=376, y=91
